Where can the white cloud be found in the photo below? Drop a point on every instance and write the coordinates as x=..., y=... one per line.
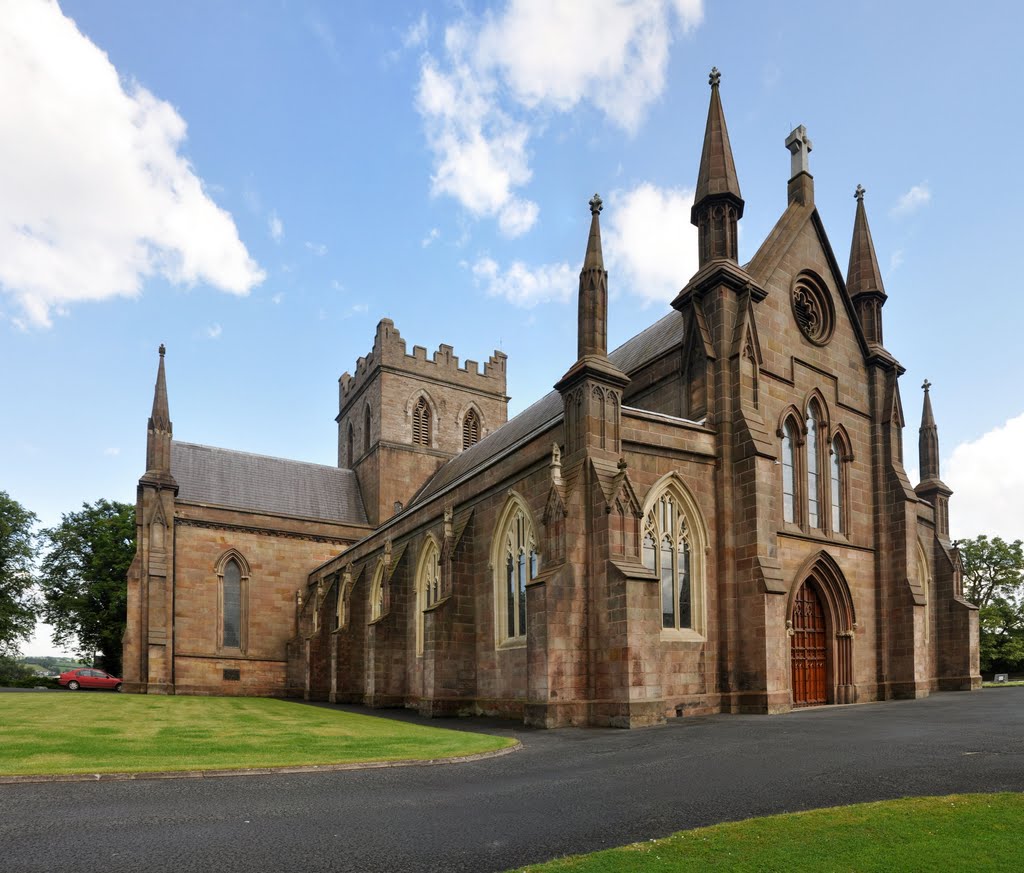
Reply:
x=524, y=286
x=914, y=199
x=987, y=478
x=517, y=217
x=277, y=298
x=97, y=196
x=417, y=33
x=613, y=54
x=318, y=249
x=429, y=239
x=650, y=247
x=214, y=331
x=501, y=73
x=360, y=307
x=895, y=260
x=275, y=227
x=112, y=452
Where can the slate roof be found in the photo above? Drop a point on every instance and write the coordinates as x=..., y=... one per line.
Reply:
x=660, y=337
x=258, y=483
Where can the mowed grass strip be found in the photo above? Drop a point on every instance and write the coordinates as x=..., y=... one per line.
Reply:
x=961, y=832
x=96, y=732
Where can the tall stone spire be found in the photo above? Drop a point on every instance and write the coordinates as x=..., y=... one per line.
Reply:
x=592, y=387
x=158, y=440
x=928, y=440
x=593, y=295
x=863, y=278
x=717, y=204
x=931, y=488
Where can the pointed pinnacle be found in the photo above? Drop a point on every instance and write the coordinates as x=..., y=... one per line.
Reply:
x=717, y=173
x=594, y=259
x=863, y=273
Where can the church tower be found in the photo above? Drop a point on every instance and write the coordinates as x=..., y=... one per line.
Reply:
x=149, y=642
x=402, y=416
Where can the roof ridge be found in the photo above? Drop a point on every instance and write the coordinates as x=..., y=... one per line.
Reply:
x=261, y=455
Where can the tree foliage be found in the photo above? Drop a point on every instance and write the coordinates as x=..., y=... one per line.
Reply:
x=84, y=579
x=17, y=551
x=994, y=581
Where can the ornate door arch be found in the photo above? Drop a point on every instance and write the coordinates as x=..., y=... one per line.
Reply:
x=821, y=629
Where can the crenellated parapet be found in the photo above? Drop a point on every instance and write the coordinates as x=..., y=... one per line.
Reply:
x=390, y=353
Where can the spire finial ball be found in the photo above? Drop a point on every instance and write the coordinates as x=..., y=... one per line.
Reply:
x=596, y=204
x=714, y=78
x=859, y=193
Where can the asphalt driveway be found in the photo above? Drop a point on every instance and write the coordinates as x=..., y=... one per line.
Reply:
x=566, y=791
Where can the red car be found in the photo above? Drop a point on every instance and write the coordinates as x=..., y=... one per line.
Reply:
x=88, y=677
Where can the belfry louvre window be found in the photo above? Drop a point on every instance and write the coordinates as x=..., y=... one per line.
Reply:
x=421, y=423
x=666, y=551
x=470, y=429
x=232, y=605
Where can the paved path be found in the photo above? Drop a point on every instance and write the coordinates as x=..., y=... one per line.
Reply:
x=566, y=791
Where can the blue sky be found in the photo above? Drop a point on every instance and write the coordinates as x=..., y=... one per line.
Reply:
x=256, y=184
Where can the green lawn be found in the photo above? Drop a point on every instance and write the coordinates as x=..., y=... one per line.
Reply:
x=96, y=732
x=1014, y=684
x=962, y=832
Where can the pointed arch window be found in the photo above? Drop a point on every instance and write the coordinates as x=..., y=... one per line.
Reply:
x=836, y=480
x=517, y=562
x=421, y=423
x=673, y=550
x=789, y=440
x=377, y=605
x=813, y=468
x=470, y=429
x=428, y=587
x=232, y=605
x=366, y=429
x=232, y=596
x=666, y=551
x=350, y=448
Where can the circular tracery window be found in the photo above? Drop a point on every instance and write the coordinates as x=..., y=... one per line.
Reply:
x=812, y=308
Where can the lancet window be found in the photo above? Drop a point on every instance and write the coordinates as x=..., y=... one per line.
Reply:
x=517, y=563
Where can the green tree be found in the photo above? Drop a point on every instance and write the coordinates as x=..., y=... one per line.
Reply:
x=84, y=579
x=17, y=551
x=994, y=581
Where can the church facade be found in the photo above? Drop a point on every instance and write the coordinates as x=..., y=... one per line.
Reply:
x=713, y=517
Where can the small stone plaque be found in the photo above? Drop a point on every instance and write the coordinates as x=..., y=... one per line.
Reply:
x=1002, y=677
x=232, y=675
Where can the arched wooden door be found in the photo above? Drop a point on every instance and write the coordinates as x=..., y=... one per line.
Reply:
x=809, y=651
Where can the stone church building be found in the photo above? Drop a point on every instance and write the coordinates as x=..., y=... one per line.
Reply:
x=713, y=517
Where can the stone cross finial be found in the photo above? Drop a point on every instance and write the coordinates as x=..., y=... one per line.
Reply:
x=859, y=193
x=162, y=350
x=799, y=148
x=714, y=77
x=596, y=204
x=926, y=386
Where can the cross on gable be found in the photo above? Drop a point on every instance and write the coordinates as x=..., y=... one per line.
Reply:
x=799, y=146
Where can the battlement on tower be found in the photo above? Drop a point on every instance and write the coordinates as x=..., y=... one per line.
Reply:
x=389, y=352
